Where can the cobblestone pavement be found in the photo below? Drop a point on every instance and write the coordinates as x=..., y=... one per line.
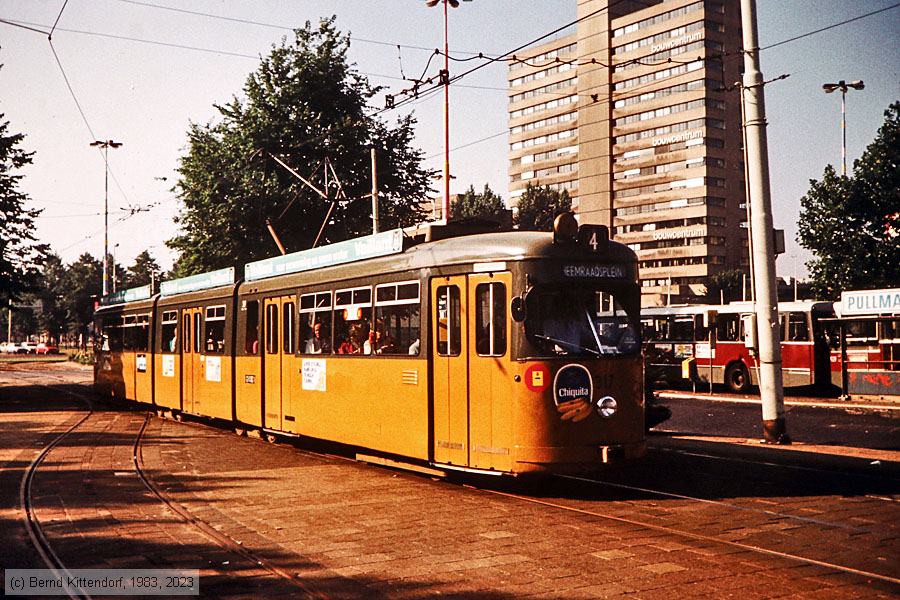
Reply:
x=351, y=530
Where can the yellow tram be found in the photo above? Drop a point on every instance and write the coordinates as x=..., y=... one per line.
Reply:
x=502, y=352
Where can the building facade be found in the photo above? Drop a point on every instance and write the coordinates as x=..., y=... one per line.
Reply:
x=636, y=116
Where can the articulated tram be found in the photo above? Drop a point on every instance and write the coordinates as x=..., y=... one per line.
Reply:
x=501, y=352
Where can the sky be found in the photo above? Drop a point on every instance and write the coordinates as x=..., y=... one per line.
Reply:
x=140, y=73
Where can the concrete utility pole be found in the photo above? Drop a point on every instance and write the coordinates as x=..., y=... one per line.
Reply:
x=375, y=224
x=771, y=385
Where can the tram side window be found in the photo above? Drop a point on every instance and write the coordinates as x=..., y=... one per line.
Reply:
x=728, y=328
x=168, y=338
x=315, y=323
x=128, y=332
x=448, y=321
x=352, y=321
x=797, y=328
x=271, y=329
x=490, y=319
x=142, y=334
x=287, y=323
x=397, y=322
x=112, y=335
x=251, y=333
x=215, y=330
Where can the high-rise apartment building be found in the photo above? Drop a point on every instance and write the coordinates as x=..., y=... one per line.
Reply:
x=632, y=115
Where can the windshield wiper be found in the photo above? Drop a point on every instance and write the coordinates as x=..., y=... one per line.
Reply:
x=565, y=343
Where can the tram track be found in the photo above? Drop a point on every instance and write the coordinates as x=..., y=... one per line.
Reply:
x=561, y=505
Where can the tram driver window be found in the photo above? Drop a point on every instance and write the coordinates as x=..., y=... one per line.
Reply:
x=167, y=340
x=397, y=323
x=215, y=330
x=315, y=323
x=490, y=319
x=448, y=321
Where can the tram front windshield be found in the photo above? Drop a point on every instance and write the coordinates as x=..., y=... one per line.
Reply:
x=580, y=322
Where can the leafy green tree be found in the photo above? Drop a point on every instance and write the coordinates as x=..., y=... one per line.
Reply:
x=19, y=252
x=486, y=205
x=852, y=224
x=54, y=315
x=538, y=206
x=144, y=270
x=727, y=285
x=303, y=104
x=82, y=284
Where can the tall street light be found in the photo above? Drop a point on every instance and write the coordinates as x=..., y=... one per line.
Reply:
x=445, y=77
x=106, y=145
x=843, y=86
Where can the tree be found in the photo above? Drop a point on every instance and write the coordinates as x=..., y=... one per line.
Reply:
x=82, y=284
x=54, y=316
x=725, y=285
x=303, y=104
x=19, y=252
x=471, y=205
x=852, y=224
x=538, y=207
x=144, y=270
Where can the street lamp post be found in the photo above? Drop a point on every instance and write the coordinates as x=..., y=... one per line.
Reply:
x=843, y=86
x=445, y=77
x=106, y=145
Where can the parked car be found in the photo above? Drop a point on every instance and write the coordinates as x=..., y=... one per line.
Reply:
x=28, y=348
x=43, y=348
x=11, y=348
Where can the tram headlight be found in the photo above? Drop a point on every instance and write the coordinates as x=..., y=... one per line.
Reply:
x=607, y=407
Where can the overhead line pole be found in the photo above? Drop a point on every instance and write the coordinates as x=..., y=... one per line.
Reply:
x=771, y=385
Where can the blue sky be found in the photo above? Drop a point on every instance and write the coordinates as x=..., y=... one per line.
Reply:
x=138, y=82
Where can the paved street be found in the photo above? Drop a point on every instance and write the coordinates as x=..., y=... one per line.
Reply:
x=703, y=515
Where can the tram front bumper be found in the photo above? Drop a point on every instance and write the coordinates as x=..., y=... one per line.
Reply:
x=575, y=458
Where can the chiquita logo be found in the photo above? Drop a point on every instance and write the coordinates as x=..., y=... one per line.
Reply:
x=573, y=389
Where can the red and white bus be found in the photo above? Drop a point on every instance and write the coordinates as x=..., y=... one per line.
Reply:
x=709, y=343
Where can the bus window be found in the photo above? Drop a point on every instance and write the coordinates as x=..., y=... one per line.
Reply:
x=251, y=334
x=681, y=329
x=728, y=328
x=397, y=323
x=315, y=323
x=352, y=320
x=797, y=328
x=271, y=328
x=287, y=322
x=580, y=322
x=448, y=326
x=490, y=319
x=167, y=341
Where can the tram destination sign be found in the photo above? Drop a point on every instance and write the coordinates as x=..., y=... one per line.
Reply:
x=593, y=271
x=370, y=246
x=194, y=283
x=129, y=295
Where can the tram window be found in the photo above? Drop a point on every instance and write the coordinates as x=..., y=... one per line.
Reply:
x=112, y=333
x=251, y=334
x=271, y=328
x=287, y=322
x=186, y=338
x=682, y=328
x=141, y=334
x=797, y=328
x=167, y=338
x=490, y=319
x=728, y=328
x=198, y=339
x=448, y=321
x=353, y=321
x=397, y=323
x=315, y=323
x=576, y=321
x=215, y=329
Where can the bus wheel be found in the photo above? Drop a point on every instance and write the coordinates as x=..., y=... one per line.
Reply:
x=737, y=378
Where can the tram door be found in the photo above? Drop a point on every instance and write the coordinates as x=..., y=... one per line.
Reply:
x=278, y=358
x=191, y=358
x=451, y=382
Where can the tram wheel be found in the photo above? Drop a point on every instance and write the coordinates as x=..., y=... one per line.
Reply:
x=737, y=378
